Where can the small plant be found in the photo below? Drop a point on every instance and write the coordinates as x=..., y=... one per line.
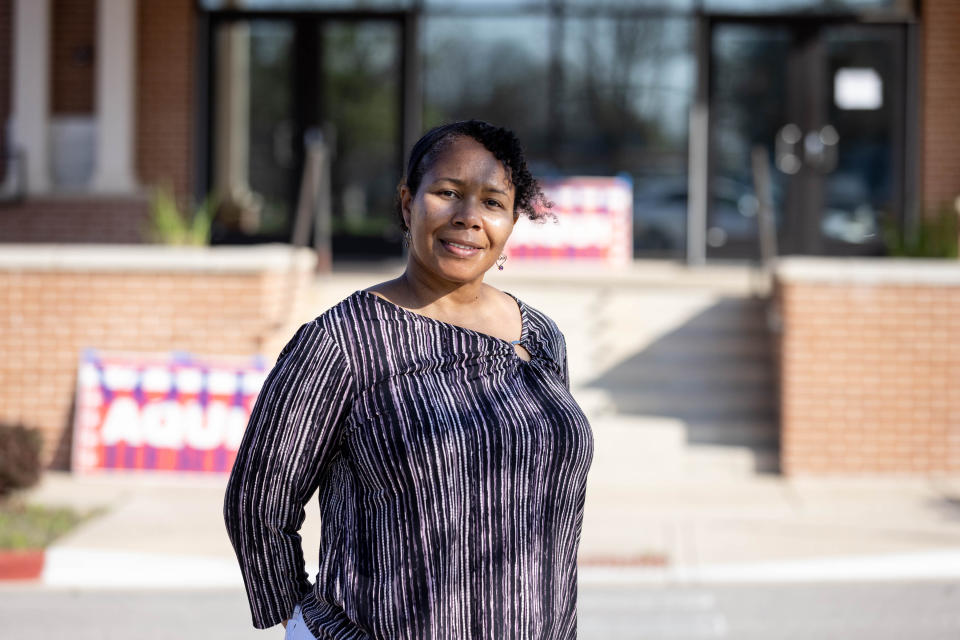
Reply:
x=20, y=449
x=169, y=225
x=934, y=236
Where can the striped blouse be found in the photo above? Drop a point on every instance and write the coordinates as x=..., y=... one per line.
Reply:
x=451, y=477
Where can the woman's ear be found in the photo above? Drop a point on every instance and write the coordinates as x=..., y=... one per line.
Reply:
x=406, y=199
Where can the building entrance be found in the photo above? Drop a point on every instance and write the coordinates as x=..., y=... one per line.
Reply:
x=826, y=101
x=276, y=77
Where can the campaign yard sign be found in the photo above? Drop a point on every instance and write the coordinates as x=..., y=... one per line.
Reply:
x=594, y=223
x=162, y=412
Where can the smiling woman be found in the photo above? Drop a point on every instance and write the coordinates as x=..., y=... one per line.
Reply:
x=433, y=415
x=459, y=220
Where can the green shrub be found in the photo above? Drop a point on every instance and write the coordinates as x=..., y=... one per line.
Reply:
x=935, y=236
x=19, y=457
x=169, y=225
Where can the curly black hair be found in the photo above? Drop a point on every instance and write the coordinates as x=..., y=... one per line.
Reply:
x=528, y=200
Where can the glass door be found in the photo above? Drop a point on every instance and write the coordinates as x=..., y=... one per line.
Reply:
x=825, y=102
x=863, y=117
x=749, y=103
x=359, y=76
x=275, y=79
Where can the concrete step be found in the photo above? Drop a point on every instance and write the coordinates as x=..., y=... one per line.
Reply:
x=755, y=435
x=725, y=461
x=714, y=422
x=677, y=349
x=642, y=464
x=705, y=324
x=632, y=449
x=697, y=311
x=714, y=374
x=746, y=405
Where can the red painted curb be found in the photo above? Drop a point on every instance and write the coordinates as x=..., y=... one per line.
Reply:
x=21, y=565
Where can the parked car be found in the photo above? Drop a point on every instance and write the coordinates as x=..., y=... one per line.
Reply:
x=660, y=212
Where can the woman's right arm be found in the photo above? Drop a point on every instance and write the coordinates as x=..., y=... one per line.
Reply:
x=293, y=432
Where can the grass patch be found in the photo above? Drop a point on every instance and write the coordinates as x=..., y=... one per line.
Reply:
x=31, y=526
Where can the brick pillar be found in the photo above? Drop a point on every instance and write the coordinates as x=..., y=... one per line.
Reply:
x=941, y=102
x=164, y=94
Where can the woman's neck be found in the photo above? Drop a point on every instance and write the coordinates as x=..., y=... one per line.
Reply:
x=426, y=290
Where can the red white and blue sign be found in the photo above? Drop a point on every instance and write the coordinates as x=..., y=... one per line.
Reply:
x=594, y=223
x=162, y=412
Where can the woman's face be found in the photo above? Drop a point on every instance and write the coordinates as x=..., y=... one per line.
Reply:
x=462, y=214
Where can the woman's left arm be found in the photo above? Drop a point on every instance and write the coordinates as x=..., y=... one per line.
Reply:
x=293, y=432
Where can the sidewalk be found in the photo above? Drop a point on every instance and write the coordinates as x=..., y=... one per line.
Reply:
x=168, y=532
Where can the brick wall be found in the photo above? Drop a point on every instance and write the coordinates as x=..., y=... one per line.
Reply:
x=73, y=31
x=941, y=102
x=869, y=366
x=51, y=308
x=165, y=75
x=76, y=219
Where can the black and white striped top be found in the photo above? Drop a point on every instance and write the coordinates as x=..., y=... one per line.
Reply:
x=451, y=479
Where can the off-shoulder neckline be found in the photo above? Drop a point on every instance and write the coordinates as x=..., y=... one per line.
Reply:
x=409, y=312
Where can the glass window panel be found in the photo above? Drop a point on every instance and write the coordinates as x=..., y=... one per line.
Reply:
x=491, y=5
x=860, y=190
x=747, y=110
x=305, y=5
x=494, y=69
x=360, y=67
x=785, y=6
x=618, y=5
x=269, y=95
x=627, y=88
x=673, y=5
x=274, y=79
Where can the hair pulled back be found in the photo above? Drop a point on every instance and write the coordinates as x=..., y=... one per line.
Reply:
x=529, y=199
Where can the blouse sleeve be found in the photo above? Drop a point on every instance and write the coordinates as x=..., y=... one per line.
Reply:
x=293, y=432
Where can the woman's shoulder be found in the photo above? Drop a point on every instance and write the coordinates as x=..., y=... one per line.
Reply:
x=537, y=321
x=541, y=332
x=333, y=333
x=350, y=317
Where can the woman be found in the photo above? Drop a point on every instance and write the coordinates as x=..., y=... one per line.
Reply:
x=433, y=415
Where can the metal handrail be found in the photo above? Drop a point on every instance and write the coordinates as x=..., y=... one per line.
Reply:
x=14, y=185
x=767, y=229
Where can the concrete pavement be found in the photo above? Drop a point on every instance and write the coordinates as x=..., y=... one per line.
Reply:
x=168, y=532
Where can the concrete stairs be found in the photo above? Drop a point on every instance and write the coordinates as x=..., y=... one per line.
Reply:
x=677, y=377
x=673, y=366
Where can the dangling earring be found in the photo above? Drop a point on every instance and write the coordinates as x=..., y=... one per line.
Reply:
x=501, y=260
x=406, y=238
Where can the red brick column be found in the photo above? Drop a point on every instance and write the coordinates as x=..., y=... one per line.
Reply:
x=870, y=362
x=165, y=77
x=940, y=62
